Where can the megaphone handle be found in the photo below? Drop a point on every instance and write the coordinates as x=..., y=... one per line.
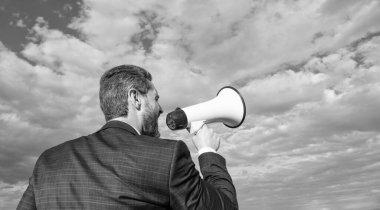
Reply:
x=195, y=127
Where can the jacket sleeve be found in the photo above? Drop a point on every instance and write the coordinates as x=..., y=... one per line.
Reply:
x=27, y=201
x=189, y=191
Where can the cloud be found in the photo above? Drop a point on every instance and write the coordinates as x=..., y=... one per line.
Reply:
x=309, y=73
x=20, y=23
x=40, y=103
x=313, y=137
x=227, y=43
x=330, y=95
x=52, y=51
x=282, y=91
x=10, y=194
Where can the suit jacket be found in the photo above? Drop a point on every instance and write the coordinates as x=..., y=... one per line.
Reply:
x=115, y=168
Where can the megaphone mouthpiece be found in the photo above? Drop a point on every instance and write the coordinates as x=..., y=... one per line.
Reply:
x=176, y=119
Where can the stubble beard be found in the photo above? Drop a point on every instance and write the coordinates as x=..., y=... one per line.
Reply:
x=150, y=124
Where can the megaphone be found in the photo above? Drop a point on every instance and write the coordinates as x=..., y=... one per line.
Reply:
x=228, y=107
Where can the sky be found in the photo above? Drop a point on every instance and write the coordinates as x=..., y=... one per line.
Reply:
x=309, y=72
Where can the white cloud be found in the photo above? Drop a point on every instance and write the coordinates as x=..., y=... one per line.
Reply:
x=38, y=106
x=309, y=72
x=20, y=23
x=10, y=194
x=325, y=126
x=64, y=53
x=282, y=91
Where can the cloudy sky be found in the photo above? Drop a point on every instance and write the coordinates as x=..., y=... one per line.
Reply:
x=309, y=72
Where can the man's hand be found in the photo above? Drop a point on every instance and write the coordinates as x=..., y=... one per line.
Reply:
x=206, y=137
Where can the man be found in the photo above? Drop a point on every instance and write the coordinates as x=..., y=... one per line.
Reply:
x=124, y=165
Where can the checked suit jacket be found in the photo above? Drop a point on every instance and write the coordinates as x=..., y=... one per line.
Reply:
x=115, y=168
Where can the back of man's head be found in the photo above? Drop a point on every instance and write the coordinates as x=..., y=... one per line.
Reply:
x=114, y=86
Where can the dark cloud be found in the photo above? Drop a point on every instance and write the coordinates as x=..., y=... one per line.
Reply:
x=15, y=163
x=369, y=36
x=337, y=7
x=150, y=25
x=14, y=37
x=316, y=36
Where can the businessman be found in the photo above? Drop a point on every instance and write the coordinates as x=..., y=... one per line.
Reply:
x=125, y=165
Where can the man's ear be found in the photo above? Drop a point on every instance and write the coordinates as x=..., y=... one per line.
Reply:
x=134, y=98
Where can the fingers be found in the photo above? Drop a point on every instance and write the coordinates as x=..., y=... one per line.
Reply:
x=206, y=137
x=194, y=140
x=218, y=144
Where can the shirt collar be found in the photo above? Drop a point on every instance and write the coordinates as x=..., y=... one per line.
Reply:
x=122, y=119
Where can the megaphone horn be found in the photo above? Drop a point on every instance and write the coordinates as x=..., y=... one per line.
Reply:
x=227, y=107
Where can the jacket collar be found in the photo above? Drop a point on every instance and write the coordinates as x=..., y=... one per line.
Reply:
x=121, y=125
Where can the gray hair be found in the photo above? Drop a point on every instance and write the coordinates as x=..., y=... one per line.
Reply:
x=115, y=85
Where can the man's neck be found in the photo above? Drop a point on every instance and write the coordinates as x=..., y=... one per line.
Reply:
x=128, y=121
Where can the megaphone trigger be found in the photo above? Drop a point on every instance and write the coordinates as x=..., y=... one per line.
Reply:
x=195, y=127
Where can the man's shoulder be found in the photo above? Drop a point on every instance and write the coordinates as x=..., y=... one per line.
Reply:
x=157, y=141
x=169, y=144
x=123, y=144
x=60, y=149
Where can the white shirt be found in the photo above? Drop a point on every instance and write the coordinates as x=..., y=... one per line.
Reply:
x=122, y=119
